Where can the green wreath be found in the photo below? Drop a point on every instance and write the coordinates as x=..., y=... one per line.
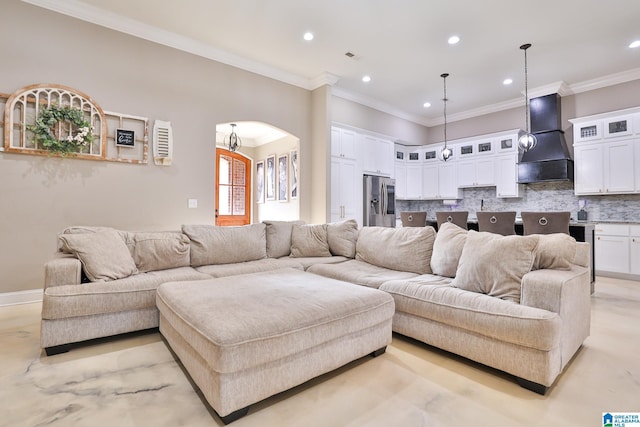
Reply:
x=62, y=130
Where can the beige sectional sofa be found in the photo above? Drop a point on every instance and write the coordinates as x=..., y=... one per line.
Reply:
x=520, y=304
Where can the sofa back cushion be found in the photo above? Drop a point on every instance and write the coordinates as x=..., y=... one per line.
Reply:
x=404, y=249
x=225, y=245
x=447, y=249
x=159, y=250
x=493, y=264
x=556, y=251
x=279, y=237
x=309, y=241
x=104, y=254
x=342, y=238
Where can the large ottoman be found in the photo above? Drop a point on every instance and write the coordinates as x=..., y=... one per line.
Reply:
x=245, y=338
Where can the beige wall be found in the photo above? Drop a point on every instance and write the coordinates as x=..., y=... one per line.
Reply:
x=39, y=196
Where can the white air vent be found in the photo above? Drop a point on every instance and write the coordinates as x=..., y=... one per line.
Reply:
x=162, y=143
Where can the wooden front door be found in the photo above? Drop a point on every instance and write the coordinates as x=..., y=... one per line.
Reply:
x=233, y=188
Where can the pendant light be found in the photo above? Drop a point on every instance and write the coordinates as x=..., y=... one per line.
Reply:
x=446, y=153
x=527, y=140
x=232, y=141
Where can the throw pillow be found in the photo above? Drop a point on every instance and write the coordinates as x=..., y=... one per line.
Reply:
x=279, y=237
x=494, y=265
x=403, y=249
x=556, y=251
x=342, y=238
x=104, y=254
x=160, y=250
x=211, y=244
x=309, y=241
x=447, y=249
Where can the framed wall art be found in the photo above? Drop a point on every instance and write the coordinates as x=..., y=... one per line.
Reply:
x=260, y=181
x=270, y=177
x=283, y=178
x=293, y=160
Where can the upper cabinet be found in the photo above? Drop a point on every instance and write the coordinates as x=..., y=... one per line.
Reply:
x=343, y=143
x=607, y=153
x=378, y=155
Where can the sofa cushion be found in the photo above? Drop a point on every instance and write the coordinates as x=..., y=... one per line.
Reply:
x=403, y=249
x=494, y=265
x=359, y=273
x=279, y=237
x=83, y=229
x=309, y=241
x=104, y=254
x=159, y=250
x=131, y=293
x=447, y=249
x=257, y=266
x=225, y=245
x=555, y=251
x=342, y=237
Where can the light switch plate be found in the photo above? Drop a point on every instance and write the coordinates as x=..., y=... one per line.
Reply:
x=193, y=203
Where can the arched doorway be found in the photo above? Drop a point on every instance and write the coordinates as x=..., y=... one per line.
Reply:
x=233, y=188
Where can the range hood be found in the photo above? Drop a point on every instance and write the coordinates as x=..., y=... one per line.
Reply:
x=549, y=160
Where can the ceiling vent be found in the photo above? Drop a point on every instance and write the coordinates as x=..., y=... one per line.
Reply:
x=162, y=143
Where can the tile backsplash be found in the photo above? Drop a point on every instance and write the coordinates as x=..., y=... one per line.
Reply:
x=550, y=196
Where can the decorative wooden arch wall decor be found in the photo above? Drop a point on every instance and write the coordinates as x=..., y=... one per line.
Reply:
x=114, y=136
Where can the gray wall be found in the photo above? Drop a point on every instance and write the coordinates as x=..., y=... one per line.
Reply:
x=39, y=196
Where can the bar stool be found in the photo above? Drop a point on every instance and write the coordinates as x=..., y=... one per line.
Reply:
x=545, y=222
x=497, y=222
x=413, y=219
x=458, y=218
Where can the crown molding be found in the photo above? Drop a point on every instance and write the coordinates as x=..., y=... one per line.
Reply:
x=79, y=10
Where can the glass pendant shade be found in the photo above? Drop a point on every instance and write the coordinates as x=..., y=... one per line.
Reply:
x=233, y=142
x=446, y=153
x=527, y=141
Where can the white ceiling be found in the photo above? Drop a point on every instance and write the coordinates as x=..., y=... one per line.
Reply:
x=401, y=44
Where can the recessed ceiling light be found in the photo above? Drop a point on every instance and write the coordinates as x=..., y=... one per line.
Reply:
x=308, y=36
x=507, y=82
x=454, y=39
x=366, y=79
x=635, y=44
x=426, y=105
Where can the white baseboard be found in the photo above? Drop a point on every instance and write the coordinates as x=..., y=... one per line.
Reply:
x=22, y=297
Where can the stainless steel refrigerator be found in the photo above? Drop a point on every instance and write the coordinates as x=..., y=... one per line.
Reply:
x=379, y=201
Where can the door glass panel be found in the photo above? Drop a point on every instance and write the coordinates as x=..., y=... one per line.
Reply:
x=238, y=172
x=238, y=201
x=225, y=170
x=224, y=199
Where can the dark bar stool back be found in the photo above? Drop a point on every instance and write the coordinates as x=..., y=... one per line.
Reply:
x=545, y=222
x=497, y=222
x=458, y=218
x=413, y=219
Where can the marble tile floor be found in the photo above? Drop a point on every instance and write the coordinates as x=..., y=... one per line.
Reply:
x=133, y=380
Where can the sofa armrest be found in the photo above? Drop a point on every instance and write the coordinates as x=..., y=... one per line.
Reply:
x=556, y=290
x=62, y=270
x=568, y=293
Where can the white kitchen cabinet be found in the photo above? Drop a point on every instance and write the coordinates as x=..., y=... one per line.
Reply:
x=343, y=143
x=400, y=175
x=634, y=249
x=476, y=172
x=440, y=181
x=506, y=170
x=414, y=181
x=606, y=154
x=378, y=155
x=612, y=248
x=346, y=190
x=588, y=169
x=605, y=168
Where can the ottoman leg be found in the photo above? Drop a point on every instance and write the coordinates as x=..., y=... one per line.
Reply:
x=379, y=351
x=235, y=415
